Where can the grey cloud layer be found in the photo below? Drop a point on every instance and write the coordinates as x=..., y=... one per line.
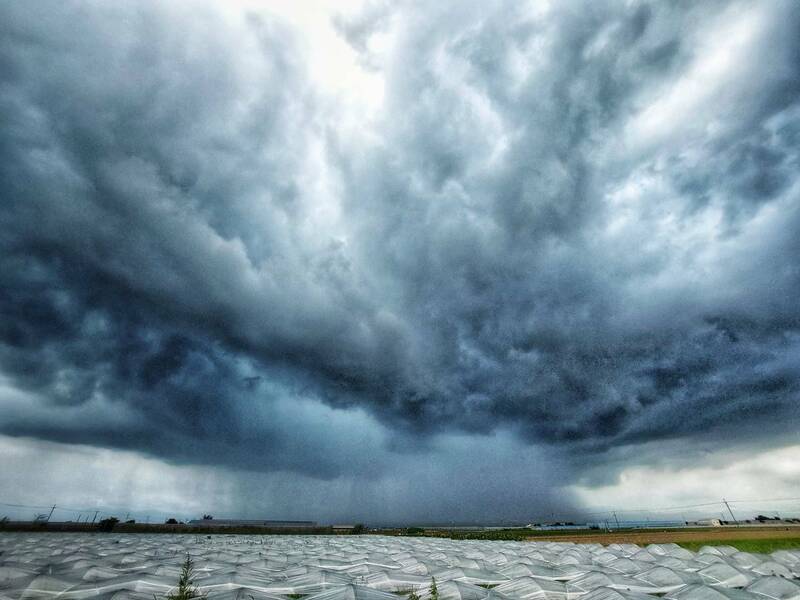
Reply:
x=581, y=226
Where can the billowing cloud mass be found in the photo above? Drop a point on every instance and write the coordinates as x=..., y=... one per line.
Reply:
x=346, y=244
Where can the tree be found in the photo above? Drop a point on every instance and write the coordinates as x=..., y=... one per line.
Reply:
x=171, y=521
x=207, y=518
x=107, y=524
x=358, y=529
x=186, y=589
x=434, y=589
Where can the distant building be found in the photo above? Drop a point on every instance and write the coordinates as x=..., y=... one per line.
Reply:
x=252, y=523
x=708, y=523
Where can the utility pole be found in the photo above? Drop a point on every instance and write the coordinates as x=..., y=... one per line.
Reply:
x=730, y=511
x=51, y=513
x=615, y=518
x=95, y=516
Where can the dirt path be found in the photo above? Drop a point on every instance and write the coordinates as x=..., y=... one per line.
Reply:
x=677, y=535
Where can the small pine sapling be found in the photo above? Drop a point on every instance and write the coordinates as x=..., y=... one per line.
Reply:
x=186, y=589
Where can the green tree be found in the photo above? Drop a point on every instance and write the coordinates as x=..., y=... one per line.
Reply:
x=434, y=589
x=186, y=589
x=107, y=524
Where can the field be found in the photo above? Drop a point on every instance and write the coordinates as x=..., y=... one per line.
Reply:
x=763, y=539
x=747, y=538
x=118, y=566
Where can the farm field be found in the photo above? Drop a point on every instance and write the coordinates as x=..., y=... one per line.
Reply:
x=752, y=539
x=112, y=566
x=748, y=538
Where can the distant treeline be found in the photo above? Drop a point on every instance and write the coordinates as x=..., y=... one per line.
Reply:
x=62, y=527
x=508, y=534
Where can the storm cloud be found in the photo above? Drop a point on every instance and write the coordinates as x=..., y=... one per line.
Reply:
x=577, y=224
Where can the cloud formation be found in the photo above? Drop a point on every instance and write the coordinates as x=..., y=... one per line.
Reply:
x=577, y=222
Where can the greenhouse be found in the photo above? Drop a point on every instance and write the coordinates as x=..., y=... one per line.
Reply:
x=234, y=567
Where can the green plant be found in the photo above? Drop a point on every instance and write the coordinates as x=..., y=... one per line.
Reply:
x=434, y=589
x=186, y=589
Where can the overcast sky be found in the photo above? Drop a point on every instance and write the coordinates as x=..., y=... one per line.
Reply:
x=398, y=261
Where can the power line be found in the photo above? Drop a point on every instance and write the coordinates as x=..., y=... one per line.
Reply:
x=600, y=511
x=663, y=508
x=766, y=500
x=23, y=505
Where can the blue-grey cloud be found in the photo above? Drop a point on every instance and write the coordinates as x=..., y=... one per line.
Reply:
x=579, y=224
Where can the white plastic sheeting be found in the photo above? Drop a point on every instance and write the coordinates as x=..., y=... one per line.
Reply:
x=230, y=567
x=775, y=588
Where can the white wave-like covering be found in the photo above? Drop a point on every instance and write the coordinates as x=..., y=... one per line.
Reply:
x=238, y=567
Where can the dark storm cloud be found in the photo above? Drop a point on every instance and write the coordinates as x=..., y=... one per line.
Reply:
x=520, y=244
